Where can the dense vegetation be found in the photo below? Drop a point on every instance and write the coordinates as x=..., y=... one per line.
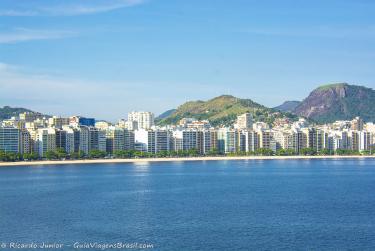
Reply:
x=164, y=115
x=60, y=154
x=7, y=112
x=223, y=110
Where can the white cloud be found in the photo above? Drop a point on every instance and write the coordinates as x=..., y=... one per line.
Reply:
x=67, y=7
x=313, y=31
x=105, y=99
x=21, y=34
x=61, y=95
x=17, y=13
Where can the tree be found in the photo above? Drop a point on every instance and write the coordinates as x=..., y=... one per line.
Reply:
x=139, y=154
x=325, y=151
x=61, y=154
x=51, y=155
x=264, y=152
x=77, y=155
x=285, y=152
x=182, y=153
x=97, y=154
x=307, y=151
x=26, y=156
x=213, y=152
x=162, y=154
x=346, y=152
x=193, y=152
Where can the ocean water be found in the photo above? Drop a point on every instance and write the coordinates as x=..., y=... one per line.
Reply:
x=202, y=205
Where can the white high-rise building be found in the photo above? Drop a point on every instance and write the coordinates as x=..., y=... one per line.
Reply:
x=244, y=121
x=46, y=140
x=145, y=120
x=152, y=141
x=364, y=141
x=186, y=139
x=84, y=139
x=69, y=145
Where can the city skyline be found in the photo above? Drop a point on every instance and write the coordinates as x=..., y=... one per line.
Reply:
x=34, y=136
x=105, y=58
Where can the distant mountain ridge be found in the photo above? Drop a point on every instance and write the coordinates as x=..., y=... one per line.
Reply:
x=325, y=104
x=7, y=112
x=165, y=114
x=287, y=106
x=340, y=101
x=222, y=110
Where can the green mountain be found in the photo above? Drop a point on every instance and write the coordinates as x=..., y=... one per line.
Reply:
x=165, y=114
x=7, y=112
x=223, y=110
x=341, y=101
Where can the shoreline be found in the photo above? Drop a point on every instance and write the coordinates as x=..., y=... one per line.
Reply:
x=219, y=158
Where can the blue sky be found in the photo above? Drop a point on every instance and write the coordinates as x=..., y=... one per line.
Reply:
x=104, y=58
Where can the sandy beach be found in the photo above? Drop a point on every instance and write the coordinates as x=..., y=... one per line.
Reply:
x=108, y=161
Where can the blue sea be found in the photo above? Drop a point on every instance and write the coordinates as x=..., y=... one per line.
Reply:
x=197, y=205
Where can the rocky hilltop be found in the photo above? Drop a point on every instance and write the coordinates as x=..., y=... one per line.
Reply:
x=341, y=101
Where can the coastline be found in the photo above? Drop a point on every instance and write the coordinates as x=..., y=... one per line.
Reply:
x=218, y=158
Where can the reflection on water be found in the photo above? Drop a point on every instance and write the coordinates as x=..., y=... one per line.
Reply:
x=195, y=205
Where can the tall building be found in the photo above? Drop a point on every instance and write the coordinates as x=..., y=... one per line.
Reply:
x=10, y=139
x=145, y=120
x=26, y=143
x=227, y=140
x=357, y=124
x=207, y=141
x=177, y=140
x=46, y=140
x=364, y=141
x=354, y=143
x=71, y=145
x=33, y=132
x=84, y=137
x=296, y=140
x=119, y=139
x=61, y=139
x=251, y=143
x=265, y=137
x=152, y=141
x=189, y=139
x=244, y=121
x=129, y=139
x=186, y=139
x=345, y=140
x=97, y=139
x=321, y=140
x=281, y=139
